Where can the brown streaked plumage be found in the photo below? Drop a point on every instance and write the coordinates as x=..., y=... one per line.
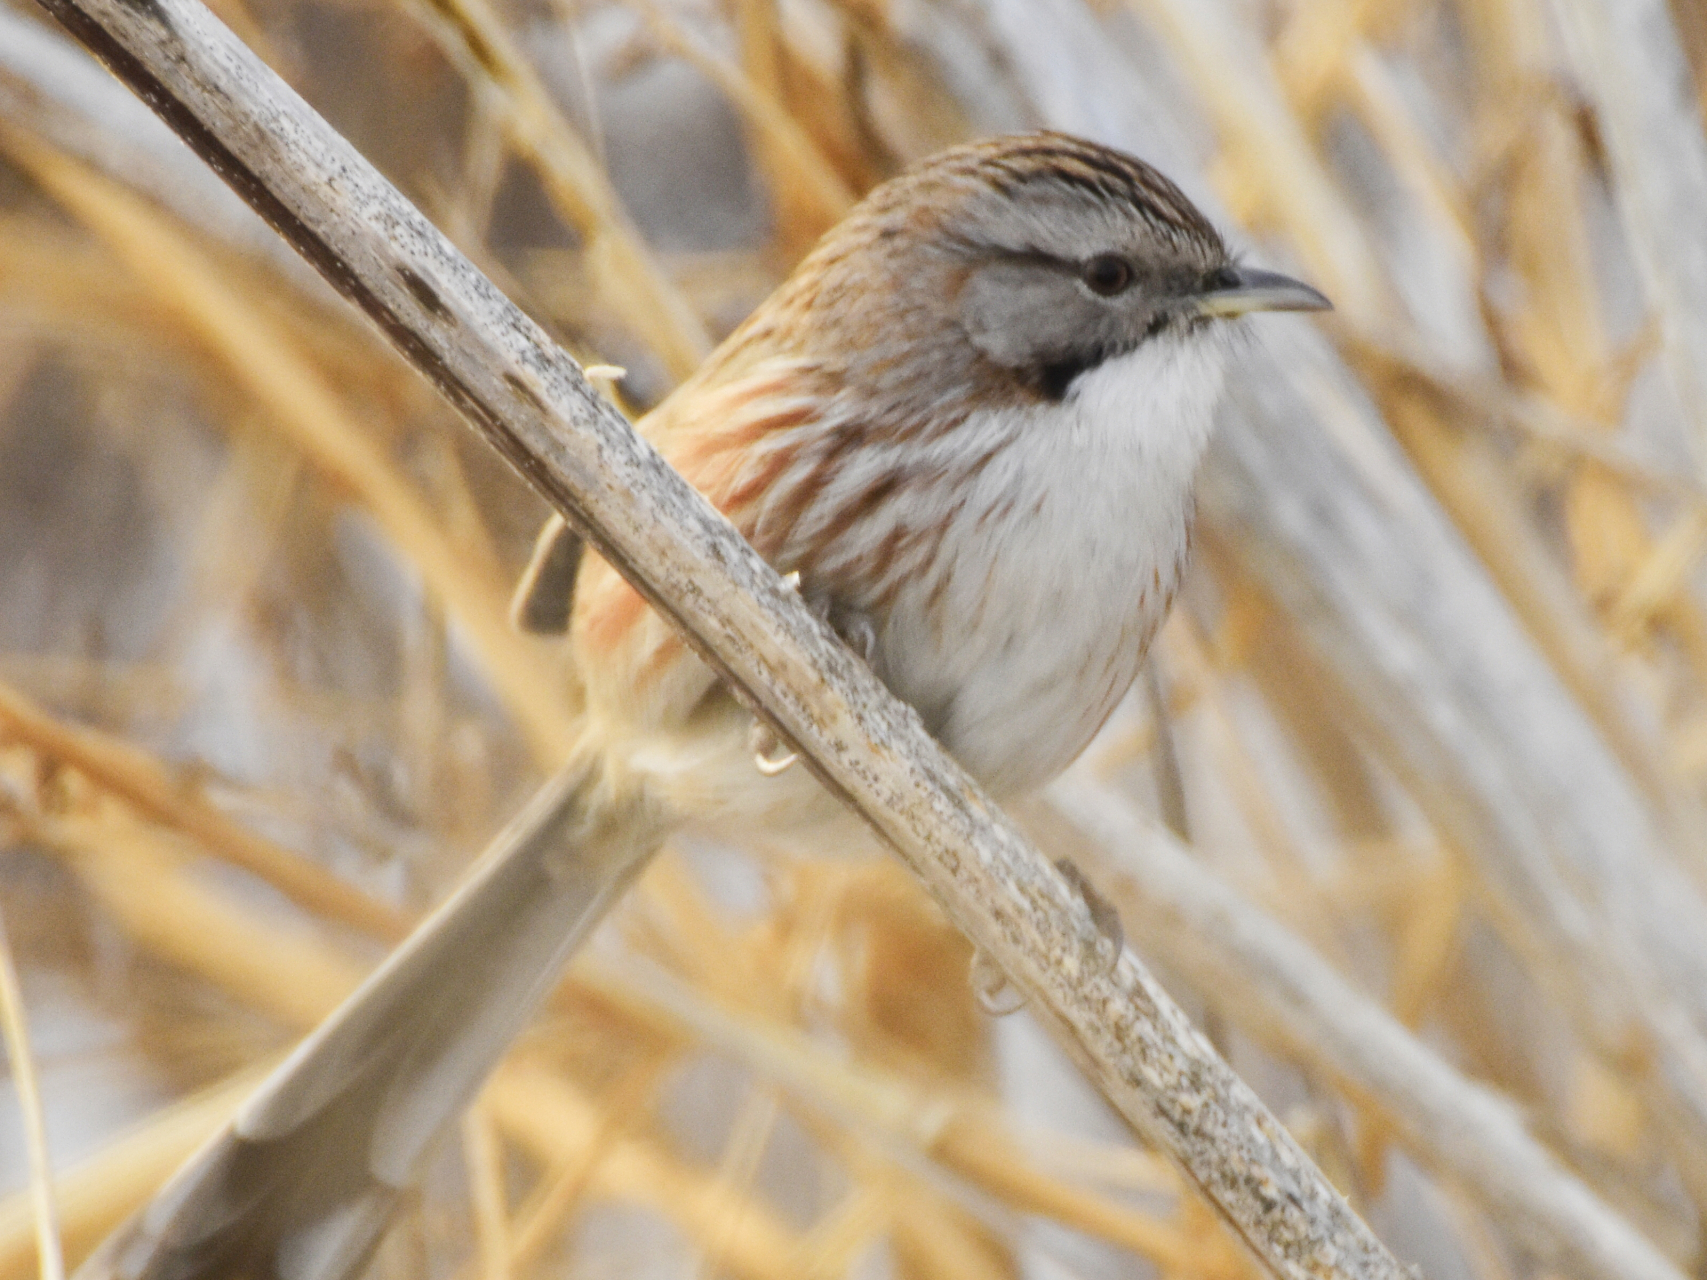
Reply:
x=819, y=375
x=969, y=422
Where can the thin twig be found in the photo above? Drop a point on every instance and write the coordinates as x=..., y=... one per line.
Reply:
x=264, y=359
x=483, y=1152
x=50, y=1258
x=141, y=780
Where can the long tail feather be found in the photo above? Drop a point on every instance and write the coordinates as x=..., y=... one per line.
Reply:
x=301, y=1183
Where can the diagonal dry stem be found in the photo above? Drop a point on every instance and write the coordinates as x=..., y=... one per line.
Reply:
x=270, y=366
x=629, y=277
x=533, y=406
x=14, y=1033
x=143, y=782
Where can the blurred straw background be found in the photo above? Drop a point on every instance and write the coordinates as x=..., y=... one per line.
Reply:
x=1432, y=717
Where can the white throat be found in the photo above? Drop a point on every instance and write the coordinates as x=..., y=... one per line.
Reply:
x=1060, y=566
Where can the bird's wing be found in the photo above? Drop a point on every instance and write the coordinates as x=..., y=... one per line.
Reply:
x=731, y=440
x=301, y=1184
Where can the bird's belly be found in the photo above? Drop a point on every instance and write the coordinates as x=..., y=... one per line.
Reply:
x=1055, y=562
x=1040, y=650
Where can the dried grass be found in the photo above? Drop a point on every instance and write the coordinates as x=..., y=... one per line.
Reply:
x=260, y=699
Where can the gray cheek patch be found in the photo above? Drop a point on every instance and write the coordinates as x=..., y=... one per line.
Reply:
x=1018, y=313
x=1026, y=315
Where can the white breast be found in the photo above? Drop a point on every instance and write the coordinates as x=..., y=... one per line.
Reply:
x=1057, y=567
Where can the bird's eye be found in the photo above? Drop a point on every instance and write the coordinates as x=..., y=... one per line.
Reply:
x=1107, y=274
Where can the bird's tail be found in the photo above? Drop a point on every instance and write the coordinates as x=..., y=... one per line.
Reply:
x=301, y=1183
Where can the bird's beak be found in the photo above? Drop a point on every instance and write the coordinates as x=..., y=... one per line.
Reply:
x=1256, y=290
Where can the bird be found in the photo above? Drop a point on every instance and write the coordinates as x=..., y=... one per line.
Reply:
x=966, y=429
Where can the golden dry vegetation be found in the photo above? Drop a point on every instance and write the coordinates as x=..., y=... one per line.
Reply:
x=259, y=701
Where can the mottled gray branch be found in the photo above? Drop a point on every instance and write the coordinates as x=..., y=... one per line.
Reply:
x=1271, y=984
x=528, y=399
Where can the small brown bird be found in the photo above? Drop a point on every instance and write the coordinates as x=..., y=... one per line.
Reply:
x=969, y=423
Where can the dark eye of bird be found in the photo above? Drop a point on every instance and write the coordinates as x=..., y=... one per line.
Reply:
x=1107, y=274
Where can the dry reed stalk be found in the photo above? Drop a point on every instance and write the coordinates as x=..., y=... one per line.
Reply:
x=146, y=883
x=814, y=196
x=49, y=281
x=1553, y=437
x=928, y=1240
x=963, y=1135
x=836, y=1243
x=20, y=1061
x=483, y=1154
x=53, y=89
x=267, y=363
x=738, y=1006
x=1611, y=543
x=1328, y=59
x=148, y=887
x=543, y=1116
x=629, y=277
x=1660, y=578
x=1252, y=118
x=1365, y=82
x=297, y=978
x=765, y=63
x=1628, y=57
x=247, y=516
x=497, y=367
x=1498, y=148
x=738, y=1169
x=143, y=879
x=1478, y=488
x=1560, y=334
x=568, y=1181
x=1253, y=639
x=1188, y=663
x=139, y=779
